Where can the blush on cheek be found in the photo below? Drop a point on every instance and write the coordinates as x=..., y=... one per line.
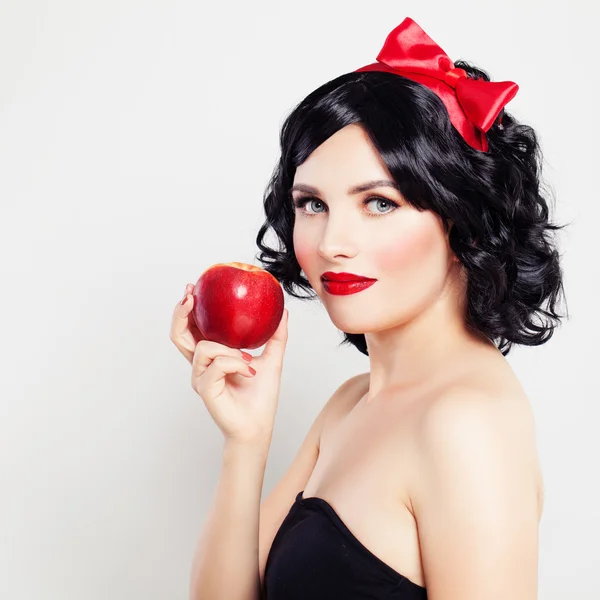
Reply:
x=419, y=246
x=303, y=254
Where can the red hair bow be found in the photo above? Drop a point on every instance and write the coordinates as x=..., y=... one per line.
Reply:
x=473, y=104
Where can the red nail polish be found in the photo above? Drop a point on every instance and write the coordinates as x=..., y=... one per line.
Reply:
x=246, y=356
x=184, y=300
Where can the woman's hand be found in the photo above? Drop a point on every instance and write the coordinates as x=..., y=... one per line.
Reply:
x=242, y=405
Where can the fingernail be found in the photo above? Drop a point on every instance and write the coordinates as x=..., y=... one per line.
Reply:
x=184, y=300
x=252, y=371
x=246, y=356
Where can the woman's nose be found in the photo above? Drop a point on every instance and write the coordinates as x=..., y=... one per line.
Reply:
x=337, y=240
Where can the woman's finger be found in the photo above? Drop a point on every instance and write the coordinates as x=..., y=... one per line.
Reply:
x=184, y=333
x=179, y=321
x=207, y=352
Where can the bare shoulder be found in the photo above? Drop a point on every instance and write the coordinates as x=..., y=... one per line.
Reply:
x=480, y=419
x=344, y=399
x=465, y=402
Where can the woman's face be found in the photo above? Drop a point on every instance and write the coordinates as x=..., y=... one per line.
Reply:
x=406, y=250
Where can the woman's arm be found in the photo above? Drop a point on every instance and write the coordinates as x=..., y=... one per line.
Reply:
x=475, y=499
x=225, y=565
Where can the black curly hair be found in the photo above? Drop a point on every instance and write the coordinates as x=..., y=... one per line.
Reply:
x=496, y=201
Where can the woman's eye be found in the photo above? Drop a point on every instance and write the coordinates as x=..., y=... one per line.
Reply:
x=301, y=203
x=304, y=201
x=388, y=202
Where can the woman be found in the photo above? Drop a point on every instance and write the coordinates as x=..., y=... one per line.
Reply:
x=419, y=478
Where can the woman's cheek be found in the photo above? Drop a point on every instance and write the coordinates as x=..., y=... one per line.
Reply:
x=414, y=248
x=303, y=251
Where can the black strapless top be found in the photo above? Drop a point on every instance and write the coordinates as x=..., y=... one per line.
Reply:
x=314, y=556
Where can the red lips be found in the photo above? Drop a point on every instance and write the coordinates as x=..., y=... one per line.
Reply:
x=344, y=277
x=345, y=288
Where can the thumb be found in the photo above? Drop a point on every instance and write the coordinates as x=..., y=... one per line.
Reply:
x=275, y=347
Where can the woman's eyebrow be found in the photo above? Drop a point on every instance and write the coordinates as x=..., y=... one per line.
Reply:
x=363, y=187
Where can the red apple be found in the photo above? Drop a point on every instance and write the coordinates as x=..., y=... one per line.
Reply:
x=237, y=304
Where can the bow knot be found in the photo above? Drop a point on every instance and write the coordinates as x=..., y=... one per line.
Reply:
x=452, y=76
x=473, y=104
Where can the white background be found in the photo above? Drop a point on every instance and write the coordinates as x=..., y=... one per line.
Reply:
x=136, y=140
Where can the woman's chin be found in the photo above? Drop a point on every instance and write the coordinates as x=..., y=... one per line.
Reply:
x=352, y=325
x=356, y=319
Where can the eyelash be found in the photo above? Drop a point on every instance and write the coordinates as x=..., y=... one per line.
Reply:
x=302, y=201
